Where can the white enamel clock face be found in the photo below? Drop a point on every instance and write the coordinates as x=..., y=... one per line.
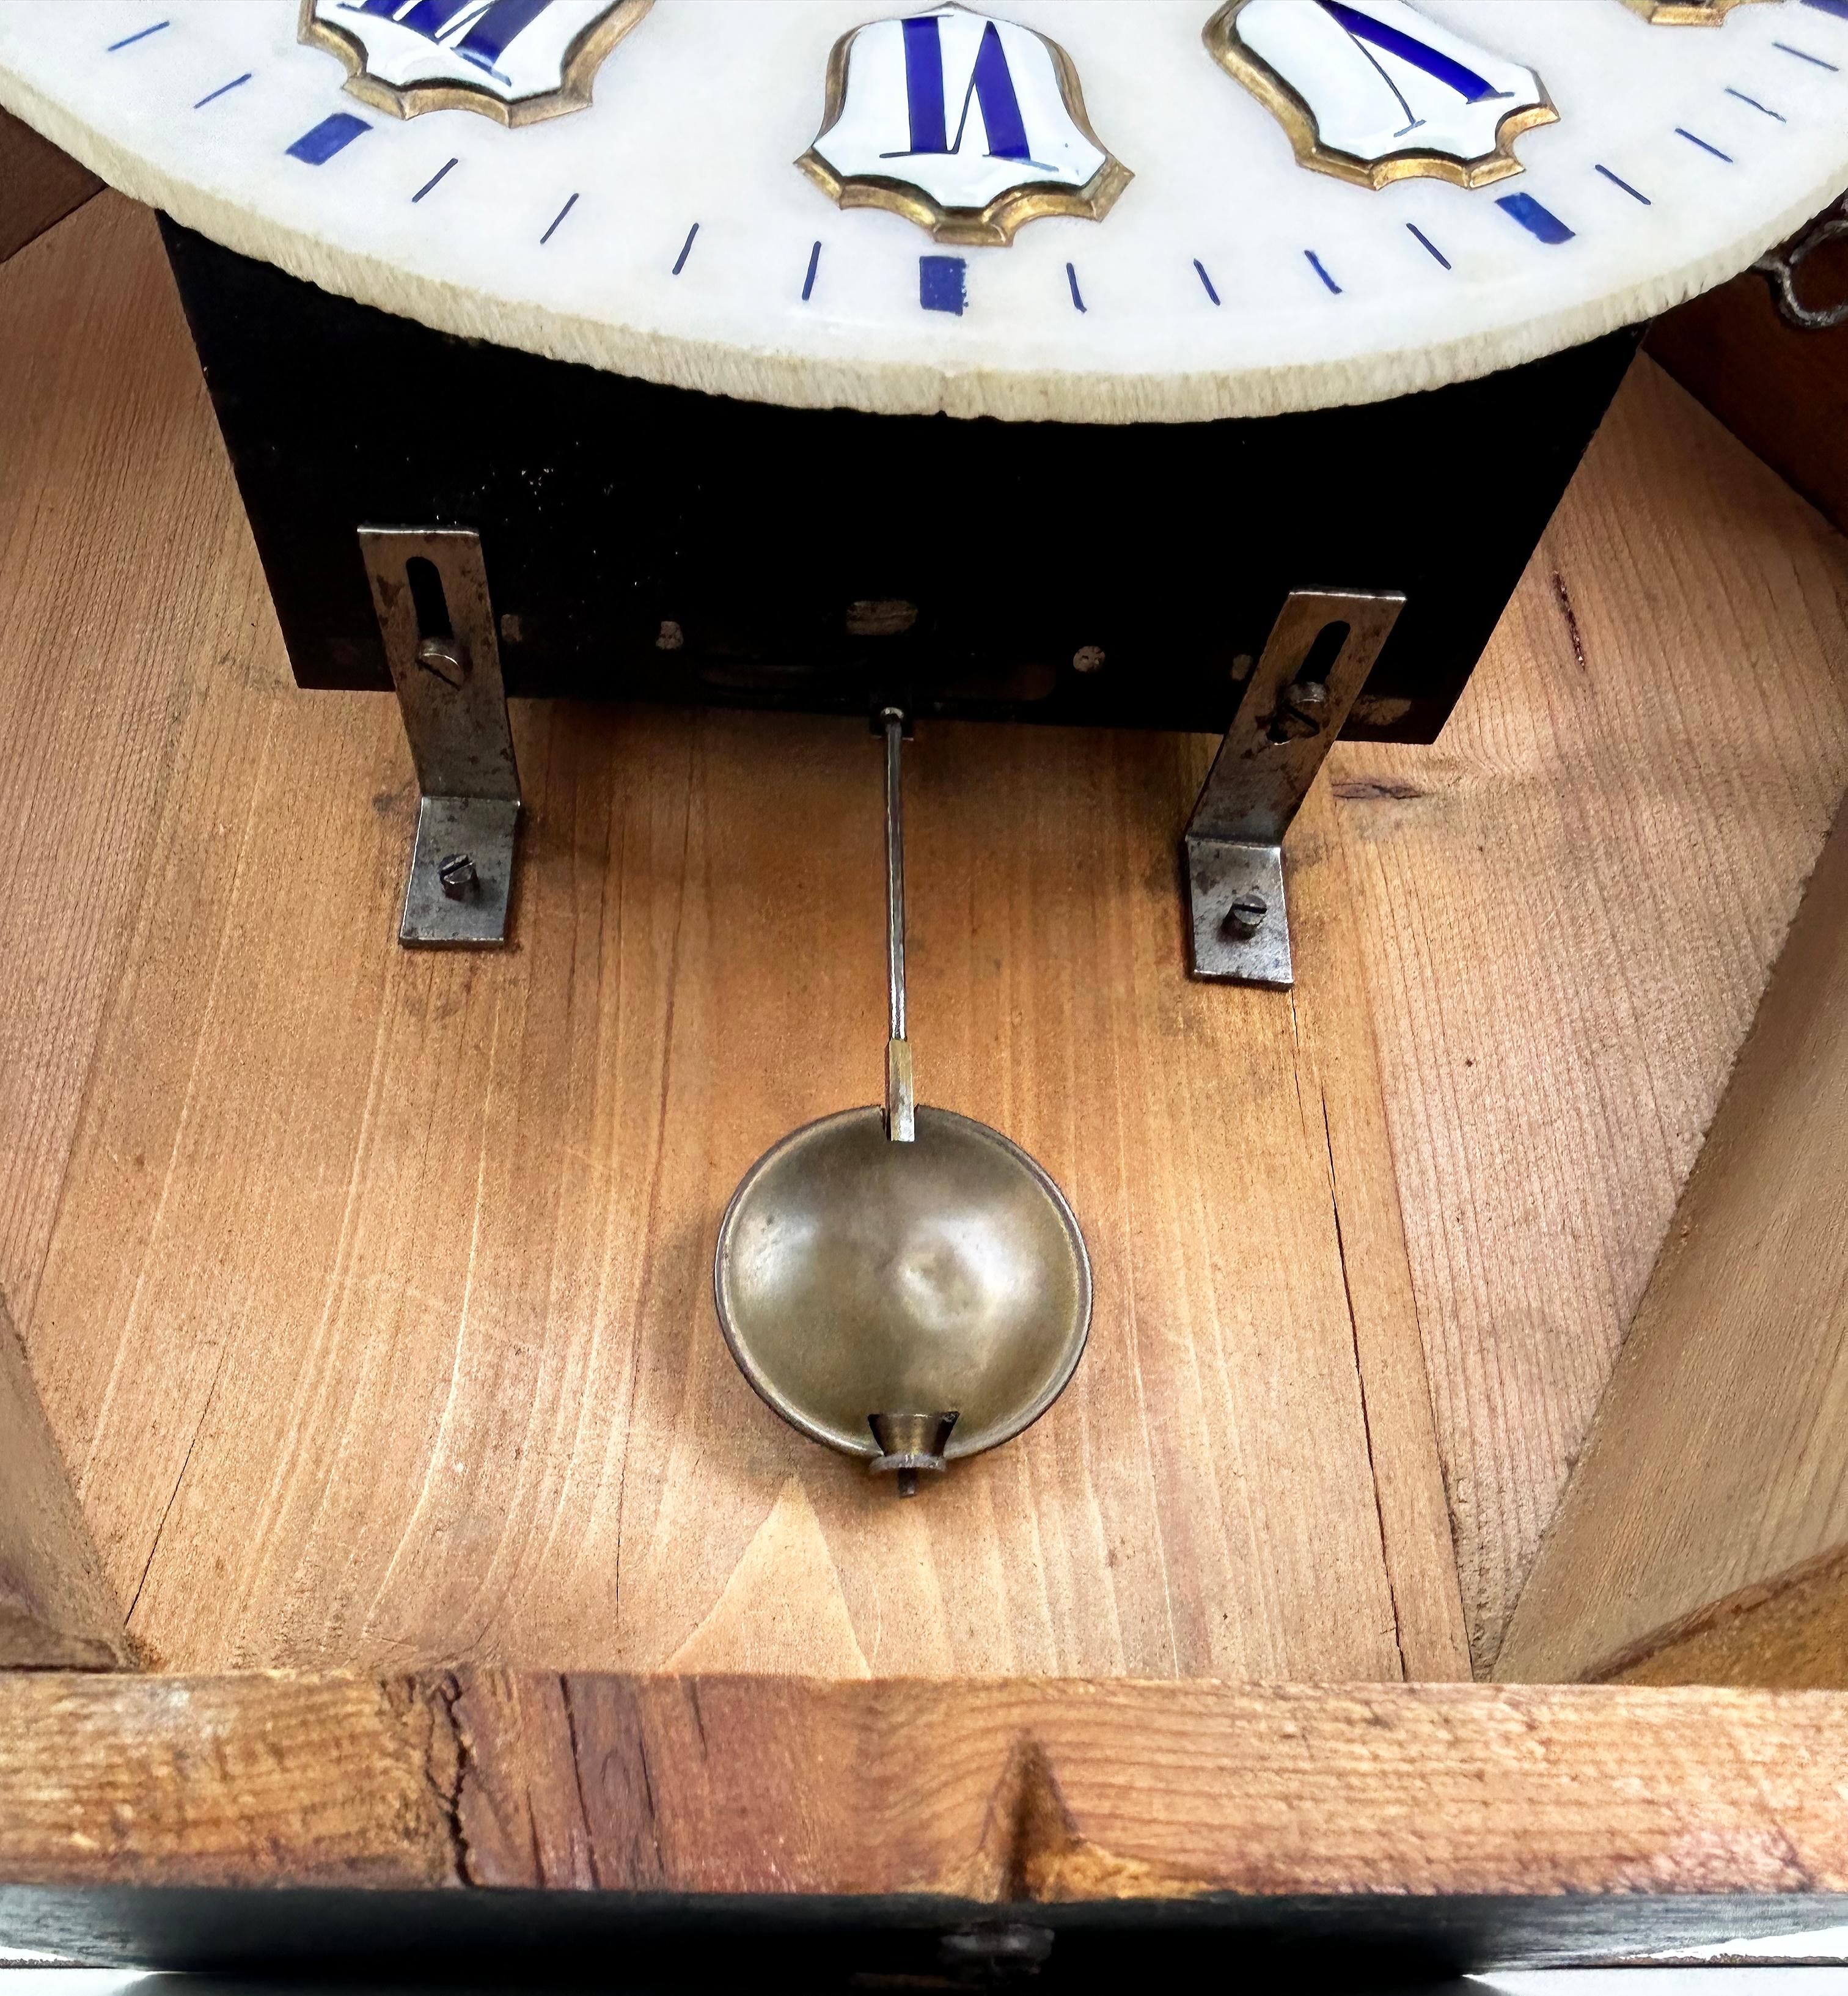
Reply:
x=1084, y=210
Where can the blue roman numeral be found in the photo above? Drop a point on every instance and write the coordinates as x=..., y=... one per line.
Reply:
x=1440, y=68
x=990, y=83
x=492, y=30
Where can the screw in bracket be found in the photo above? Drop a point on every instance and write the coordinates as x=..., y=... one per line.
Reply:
x=1246, y=915
x=1299, y=714
x=455, y=874
x=444, y=659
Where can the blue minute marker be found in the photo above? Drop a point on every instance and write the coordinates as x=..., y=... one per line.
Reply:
x=556, y=219
x=1430, y=245
x=222, y=88
x=431, y=181
x=1617, y=180
x=1316, y=264
x=1694, y=139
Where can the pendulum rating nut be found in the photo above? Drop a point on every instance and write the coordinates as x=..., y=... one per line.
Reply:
x=909, y=1442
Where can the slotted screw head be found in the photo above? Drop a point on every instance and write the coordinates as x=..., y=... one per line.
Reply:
x=444, y=659
x=455, y=874
x=1246, y=915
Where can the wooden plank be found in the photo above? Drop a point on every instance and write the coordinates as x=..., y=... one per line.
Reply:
x=1719, y=1460
x=1790, y=1633
x=294, y=1396
x=1592, y=1815
x=56, y=1610
x=1062, y=1792
x=1568, y=909
x=120, y=566
x=334, y=1209
x=226, y=1782
x=1782, y=393
x=39, y=185
x=1334, y=1021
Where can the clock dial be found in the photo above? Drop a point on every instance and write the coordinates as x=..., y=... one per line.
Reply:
x=736, y=197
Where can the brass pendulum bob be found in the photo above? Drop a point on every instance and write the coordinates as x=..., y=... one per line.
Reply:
x=902, y=1283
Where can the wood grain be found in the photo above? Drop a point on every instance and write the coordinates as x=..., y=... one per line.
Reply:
x=1060, y=1792
x=1719, y=1459
x=39, y=185
x=1782, y=393
x=377, y=1320
x=226, y=1781
x=1788, y=1632
x=1042, y=1792
x=1568, y=909
x=1335, y=1028
x=380, y=1295
x=56, y=1610
x=120, y=566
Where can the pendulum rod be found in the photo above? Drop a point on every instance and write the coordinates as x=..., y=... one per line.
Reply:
x=901, y=1121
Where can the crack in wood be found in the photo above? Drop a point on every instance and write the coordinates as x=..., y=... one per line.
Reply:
x=1032, y=1851
x=1360, y=1376
x=447, y=1754
x=1564, y=598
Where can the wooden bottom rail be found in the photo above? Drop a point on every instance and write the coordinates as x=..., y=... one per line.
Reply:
x=1455, y=1825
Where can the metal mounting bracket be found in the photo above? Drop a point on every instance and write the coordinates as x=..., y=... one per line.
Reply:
x=1293, y=709
x=429, y=588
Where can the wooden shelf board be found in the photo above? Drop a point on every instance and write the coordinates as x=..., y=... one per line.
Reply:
x=1705, y=1532
x=1570, y=907
x=1470, y=1824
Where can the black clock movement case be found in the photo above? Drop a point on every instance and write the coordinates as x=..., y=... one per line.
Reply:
x=647, y=543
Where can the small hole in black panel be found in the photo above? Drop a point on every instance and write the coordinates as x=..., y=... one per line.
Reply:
x=426, y=598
